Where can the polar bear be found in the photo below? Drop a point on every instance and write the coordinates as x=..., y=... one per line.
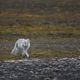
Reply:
x=21, y=46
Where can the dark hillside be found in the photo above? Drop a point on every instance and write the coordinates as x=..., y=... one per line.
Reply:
x=57, y=11
x=40, y=4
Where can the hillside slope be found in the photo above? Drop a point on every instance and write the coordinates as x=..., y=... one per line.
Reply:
x=53, y=26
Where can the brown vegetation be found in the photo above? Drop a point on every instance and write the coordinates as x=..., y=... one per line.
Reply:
x=40, y=19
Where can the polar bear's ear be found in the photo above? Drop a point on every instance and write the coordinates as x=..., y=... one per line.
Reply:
x=28, y=39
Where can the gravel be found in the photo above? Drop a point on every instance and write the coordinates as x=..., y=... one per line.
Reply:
x=41, y=69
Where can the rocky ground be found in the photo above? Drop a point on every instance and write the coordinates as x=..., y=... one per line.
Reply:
x=41, y=69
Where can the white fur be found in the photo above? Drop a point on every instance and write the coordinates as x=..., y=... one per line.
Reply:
x=21, y=46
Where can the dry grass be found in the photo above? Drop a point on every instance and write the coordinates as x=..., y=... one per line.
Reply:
x=39, y=28
x=43, y=53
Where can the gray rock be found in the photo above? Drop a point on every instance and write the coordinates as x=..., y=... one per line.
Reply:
x=41, y=69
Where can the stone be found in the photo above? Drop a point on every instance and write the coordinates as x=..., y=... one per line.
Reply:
x=41, y=69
